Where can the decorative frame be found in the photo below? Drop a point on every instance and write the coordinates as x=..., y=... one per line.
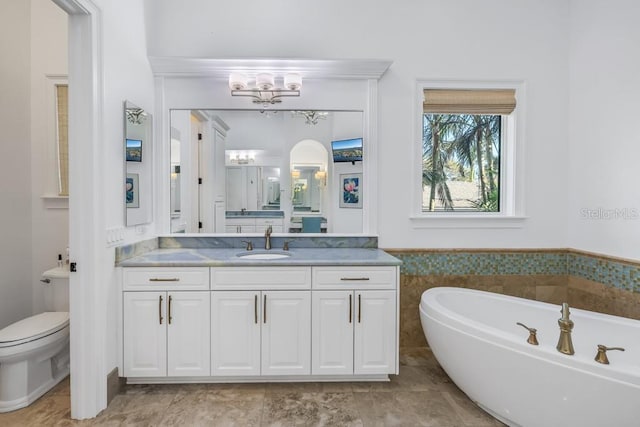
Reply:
x=132, y=190
x=134, y=150
x=350, y=190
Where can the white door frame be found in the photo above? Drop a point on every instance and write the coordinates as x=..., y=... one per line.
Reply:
x=87, y=294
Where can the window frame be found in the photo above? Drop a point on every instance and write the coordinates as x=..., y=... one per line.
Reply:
x=51, y=182
x=511, y=163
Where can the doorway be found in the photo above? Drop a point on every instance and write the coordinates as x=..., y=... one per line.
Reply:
x=87, y=315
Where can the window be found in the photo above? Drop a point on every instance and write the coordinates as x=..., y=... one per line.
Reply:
x=464, y=146
x=62, y=131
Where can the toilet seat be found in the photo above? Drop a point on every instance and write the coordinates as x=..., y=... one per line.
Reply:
x=33, y=328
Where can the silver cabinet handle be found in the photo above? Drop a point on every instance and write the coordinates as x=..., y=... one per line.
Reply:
x=350, y=308
x=255, y=308
x=157, y=279
x=359, y=308
x=170, y=298
x=353, y=279
x=264, y=310
x=160, y=309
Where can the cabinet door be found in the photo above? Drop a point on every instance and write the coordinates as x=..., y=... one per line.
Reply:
x=286, y=333
x=188, y=349
x=235, y=333
x=375, y=332
x=231, y=228
x=332, y=333
x=145, y=335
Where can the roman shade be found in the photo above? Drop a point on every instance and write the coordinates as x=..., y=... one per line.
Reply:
x=469, y=101
x=62, y=119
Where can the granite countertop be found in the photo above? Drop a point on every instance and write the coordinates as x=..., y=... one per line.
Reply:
x=228, y=257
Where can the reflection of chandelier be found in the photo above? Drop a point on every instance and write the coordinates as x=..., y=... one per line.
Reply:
x=136, y=115
x=311, y=117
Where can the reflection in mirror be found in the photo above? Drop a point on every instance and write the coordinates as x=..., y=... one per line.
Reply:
x=137, y=157
x=246, y=162
x=252, y=188
x=306, y=189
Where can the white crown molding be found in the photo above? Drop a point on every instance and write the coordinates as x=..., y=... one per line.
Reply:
x=307, y=68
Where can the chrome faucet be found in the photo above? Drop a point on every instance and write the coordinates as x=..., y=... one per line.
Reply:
x=267, y=237
x=243, y=211
x=565, y=345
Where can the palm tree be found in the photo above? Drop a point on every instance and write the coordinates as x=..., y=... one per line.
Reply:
x=436, y=127
x=470, y=141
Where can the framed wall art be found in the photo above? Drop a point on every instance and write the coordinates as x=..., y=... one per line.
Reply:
x=350, y=190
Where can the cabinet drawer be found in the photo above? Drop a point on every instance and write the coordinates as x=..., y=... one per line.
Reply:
x=259, y=278
x=240, y=221
x=265, y=222
x=354, y=277
x=165, y=278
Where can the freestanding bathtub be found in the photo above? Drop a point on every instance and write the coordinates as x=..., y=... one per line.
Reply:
x=474, y=336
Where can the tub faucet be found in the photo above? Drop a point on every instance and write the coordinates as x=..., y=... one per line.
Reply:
x=601, y=357
x=267, y=237
x=565, y=345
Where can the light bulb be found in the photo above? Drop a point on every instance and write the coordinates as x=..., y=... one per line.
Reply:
x=293, y=81
x=237, y=81
x=264, y=81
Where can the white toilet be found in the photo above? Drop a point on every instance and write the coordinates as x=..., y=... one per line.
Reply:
x=34, y=352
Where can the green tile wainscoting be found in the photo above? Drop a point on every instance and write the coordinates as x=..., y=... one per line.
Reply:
x=585, y=280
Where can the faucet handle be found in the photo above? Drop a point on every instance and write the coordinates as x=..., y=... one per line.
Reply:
x=249, y=244
x=533, y=340
x=285, y=245
x=601, y=356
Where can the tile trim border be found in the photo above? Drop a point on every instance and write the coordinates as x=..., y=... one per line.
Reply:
x=610, y=271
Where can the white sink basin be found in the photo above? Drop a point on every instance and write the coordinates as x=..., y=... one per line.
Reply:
x=263, y=255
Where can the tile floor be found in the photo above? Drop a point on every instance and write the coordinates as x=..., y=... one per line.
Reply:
x=422, y=395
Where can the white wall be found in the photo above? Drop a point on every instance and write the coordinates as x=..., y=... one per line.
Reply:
x=50, y=226
x=604, y=195
x=126, y=76
x=426, y=39
x=15, y=152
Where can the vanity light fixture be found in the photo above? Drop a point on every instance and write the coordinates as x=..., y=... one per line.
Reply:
x=241, y=157
x=311, y=117
x=295, y=173
x=322, y=177
x=265, y=91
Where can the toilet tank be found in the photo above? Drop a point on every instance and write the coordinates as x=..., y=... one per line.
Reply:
x=56, y=291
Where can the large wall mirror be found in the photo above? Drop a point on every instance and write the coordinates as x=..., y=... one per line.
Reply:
x=138, y=165
x=240, y=171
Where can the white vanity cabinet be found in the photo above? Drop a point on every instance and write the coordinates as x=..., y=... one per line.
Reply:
x=277, y=224
x=166, y=322
x=261, y=321
x=355, y=321
x=240, y=225
x=253, y=224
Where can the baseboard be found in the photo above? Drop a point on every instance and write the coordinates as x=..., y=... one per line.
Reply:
x=115, y=384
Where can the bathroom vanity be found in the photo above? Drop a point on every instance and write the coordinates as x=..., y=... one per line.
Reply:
x=252, y=221
x=225, y=314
